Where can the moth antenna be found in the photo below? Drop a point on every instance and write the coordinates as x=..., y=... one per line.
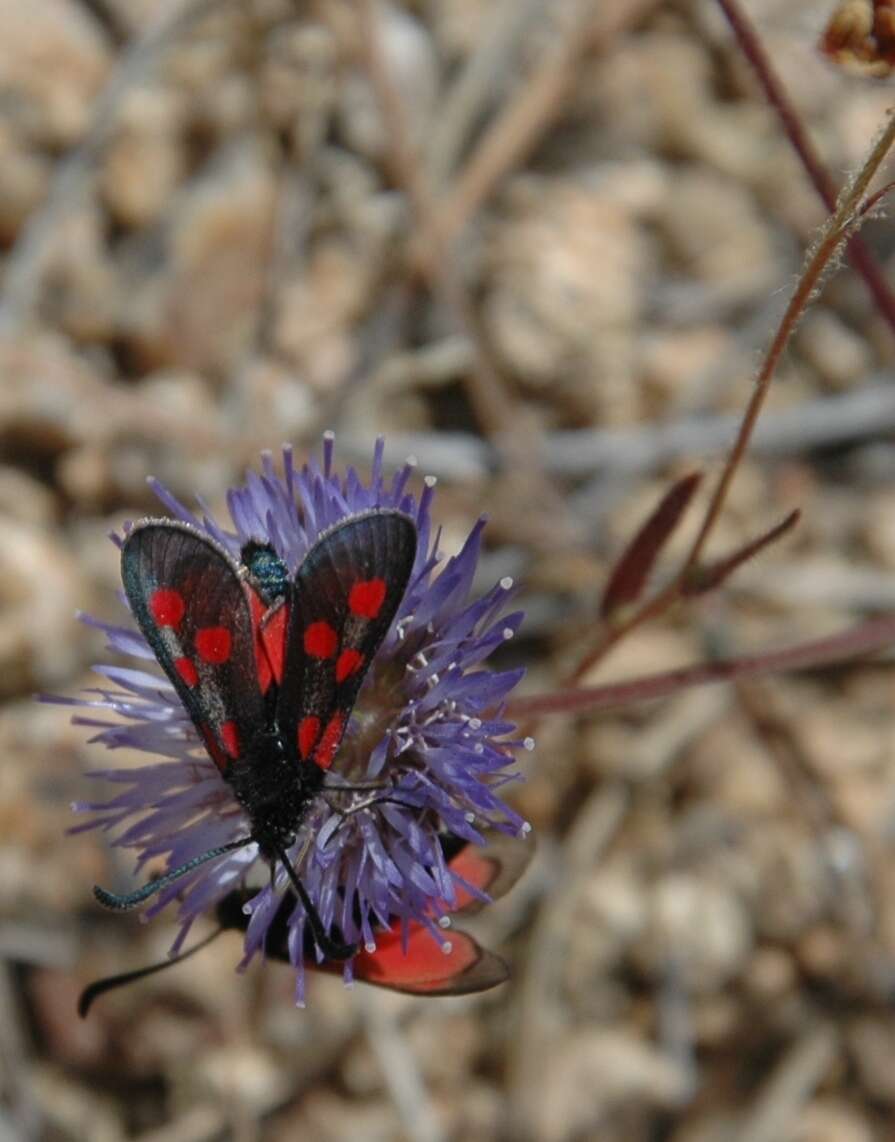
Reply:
x=132, y=899
x=109, y=983
x=332, y=949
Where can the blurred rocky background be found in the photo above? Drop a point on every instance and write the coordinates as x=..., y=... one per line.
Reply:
x=539, y=245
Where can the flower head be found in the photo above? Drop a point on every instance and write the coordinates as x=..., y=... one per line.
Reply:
x=427, y=727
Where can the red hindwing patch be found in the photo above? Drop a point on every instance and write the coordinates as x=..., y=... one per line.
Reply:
x=425, y=967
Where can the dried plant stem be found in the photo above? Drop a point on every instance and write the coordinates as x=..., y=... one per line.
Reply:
x=487, y=393
x=857, y=641
x=109, y=19
x=753, y=49
x=790, y=1087
x=849, y=214
x=848, y=419
x=516, y=131
x=466, y=99
x=400, y=1071
x=596, y=825
x=515, y=436
x=811, y=792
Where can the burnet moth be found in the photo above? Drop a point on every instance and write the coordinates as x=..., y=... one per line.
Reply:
x=407, y=962
x=268, y=667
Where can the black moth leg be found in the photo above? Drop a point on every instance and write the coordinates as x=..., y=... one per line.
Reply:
x=369, y=803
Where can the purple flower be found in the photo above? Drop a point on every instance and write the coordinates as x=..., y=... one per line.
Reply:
x=428, y=719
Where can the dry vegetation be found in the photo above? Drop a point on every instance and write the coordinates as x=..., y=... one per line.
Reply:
x=539, y=245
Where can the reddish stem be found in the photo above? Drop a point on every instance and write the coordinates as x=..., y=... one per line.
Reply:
x=753, y=49
x=863, y=639
x=849, y=213
x=710, y=577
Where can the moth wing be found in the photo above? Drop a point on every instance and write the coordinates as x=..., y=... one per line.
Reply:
x=425, y=968
x=493, y=868
x=422, y=968
x=191, y=605
x=345, y=595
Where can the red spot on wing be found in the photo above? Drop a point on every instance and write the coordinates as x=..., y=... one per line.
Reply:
x=214, y=644
x=230, y=738
x=308, y=733
x=321, y=641
x=365, y=599
x=167, y=606
x=329, y=741
x=215, y=752
x=187, y=670
x=348, y=663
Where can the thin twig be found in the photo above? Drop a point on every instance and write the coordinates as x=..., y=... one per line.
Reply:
x=466, y=99
x=516, y=132
x=811, y=793
x=109, y=19
x=596, y=826
x=675, y=1021
x=753, y=49
x=488, y=396
x=867, y=412
x=25, y=1111
x=400, y=1070
x=856, y=642
x=847, y=217
x=516, y=437
x=832, y=238
x=791, y=1085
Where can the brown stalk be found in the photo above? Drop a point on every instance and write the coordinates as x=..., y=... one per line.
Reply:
x=712, y=575
x=778, y=97
x=488, y=395
x=515, y=437
x=849, y=214
x=866, y=638
x=517, y=130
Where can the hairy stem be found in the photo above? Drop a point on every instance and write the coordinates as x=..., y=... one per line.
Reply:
x=848, y=216
x=867, y=637
x=778, y=97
